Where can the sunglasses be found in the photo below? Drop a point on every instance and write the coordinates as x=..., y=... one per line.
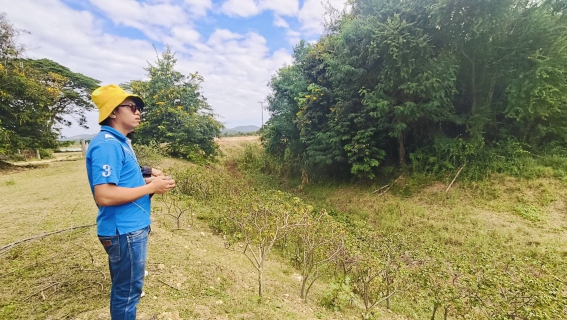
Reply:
x=133, y=107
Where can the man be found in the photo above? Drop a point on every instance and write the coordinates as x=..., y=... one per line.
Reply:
x=122, y=196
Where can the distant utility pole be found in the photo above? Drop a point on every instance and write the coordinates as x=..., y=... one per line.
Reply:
x=262, y=109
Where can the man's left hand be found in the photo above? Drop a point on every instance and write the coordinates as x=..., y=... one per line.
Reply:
x=156, y=172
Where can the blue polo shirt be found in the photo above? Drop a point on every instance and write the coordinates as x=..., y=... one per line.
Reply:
x=110, y=159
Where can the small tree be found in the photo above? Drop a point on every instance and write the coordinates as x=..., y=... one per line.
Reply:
x=377, y=273
x=177, y=204
x=441, y=278
x=260, y=220
x=320, y=242
x=514, y=288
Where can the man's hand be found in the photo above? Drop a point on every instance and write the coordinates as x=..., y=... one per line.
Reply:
x=162, y=184
x=156, y=172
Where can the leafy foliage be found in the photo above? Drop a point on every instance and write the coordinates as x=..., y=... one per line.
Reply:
x=395, y=81
x=176, y=113
x=320, y=243
x=261, y=220
x=339, y=295
x=36, y=96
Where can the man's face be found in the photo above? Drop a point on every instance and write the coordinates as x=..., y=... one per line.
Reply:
x=127, y=115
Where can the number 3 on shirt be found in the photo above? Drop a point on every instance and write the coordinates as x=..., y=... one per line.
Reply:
x=106, y=169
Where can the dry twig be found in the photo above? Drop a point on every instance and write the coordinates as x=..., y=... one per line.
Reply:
x=386, y=188
x=90, y=254
x=167, y=284
x=455, y=178
x=41, y=291
x=6, y=247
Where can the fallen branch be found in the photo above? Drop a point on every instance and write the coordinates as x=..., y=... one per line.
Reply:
x=384, y=187
x=167, y=284
x=35, y=263
x=93, y=270
x=387, y=187
x=41, y=291
x=43, y=236
x=455, y=178
x=101, y=286
x=90, y=254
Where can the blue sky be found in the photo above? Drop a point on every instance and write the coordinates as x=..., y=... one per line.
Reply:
x=237, y=45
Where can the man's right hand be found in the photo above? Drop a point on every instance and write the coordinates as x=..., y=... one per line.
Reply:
x=162, y=184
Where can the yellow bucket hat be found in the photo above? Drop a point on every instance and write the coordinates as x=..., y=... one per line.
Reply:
x=108, y=97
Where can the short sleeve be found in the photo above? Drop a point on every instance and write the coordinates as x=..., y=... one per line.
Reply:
x=106, y=159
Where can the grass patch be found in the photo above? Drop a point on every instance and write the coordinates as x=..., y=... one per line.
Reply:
x=479, y=226
x=529, y=212
x=191, y=273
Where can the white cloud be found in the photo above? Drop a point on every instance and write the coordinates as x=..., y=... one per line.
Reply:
x=184, y=34
x=293, y=37
x=139, y=15
x=241, y=8
x=236, y=67
x=280, y=22
x=311, y=14
x=156, y=20
x=199, y=7
x=249, y=8
x=281, y=7
x=77, y=41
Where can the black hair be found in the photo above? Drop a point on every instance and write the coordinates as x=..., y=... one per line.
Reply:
x=106, y=122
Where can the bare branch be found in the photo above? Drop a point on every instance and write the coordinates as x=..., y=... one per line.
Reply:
x=167, y=284
x=43, y=236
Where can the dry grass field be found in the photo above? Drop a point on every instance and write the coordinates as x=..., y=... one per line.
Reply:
x=229, y=145
x=65, y=275
x=193, y=276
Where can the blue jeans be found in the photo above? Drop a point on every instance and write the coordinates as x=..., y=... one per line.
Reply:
x=127, y=262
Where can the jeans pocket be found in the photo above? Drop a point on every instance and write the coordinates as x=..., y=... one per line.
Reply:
x=138, y=235
x=111, y=246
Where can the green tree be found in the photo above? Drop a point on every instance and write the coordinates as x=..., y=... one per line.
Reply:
x=25, y=98
x=36, y=96
x=393, y=78
x=176, y=112
x=74, y=96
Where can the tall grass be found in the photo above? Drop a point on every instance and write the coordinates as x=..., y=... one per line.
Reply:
x=483, y=160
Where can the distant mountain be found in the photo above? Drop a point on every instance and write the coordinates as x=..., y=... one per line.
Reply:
x=79, y=137
x=241, y=129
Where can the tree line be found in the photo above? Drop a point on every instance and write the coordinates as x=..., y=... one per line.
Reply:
x=39, y=97
x=432, y=84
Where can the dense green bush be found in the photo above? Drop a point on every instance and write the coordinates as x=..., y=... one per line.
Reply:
x=338, y=295
x=440, y=83
x=46, y=153
x=482, y=160
x=149, y=155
